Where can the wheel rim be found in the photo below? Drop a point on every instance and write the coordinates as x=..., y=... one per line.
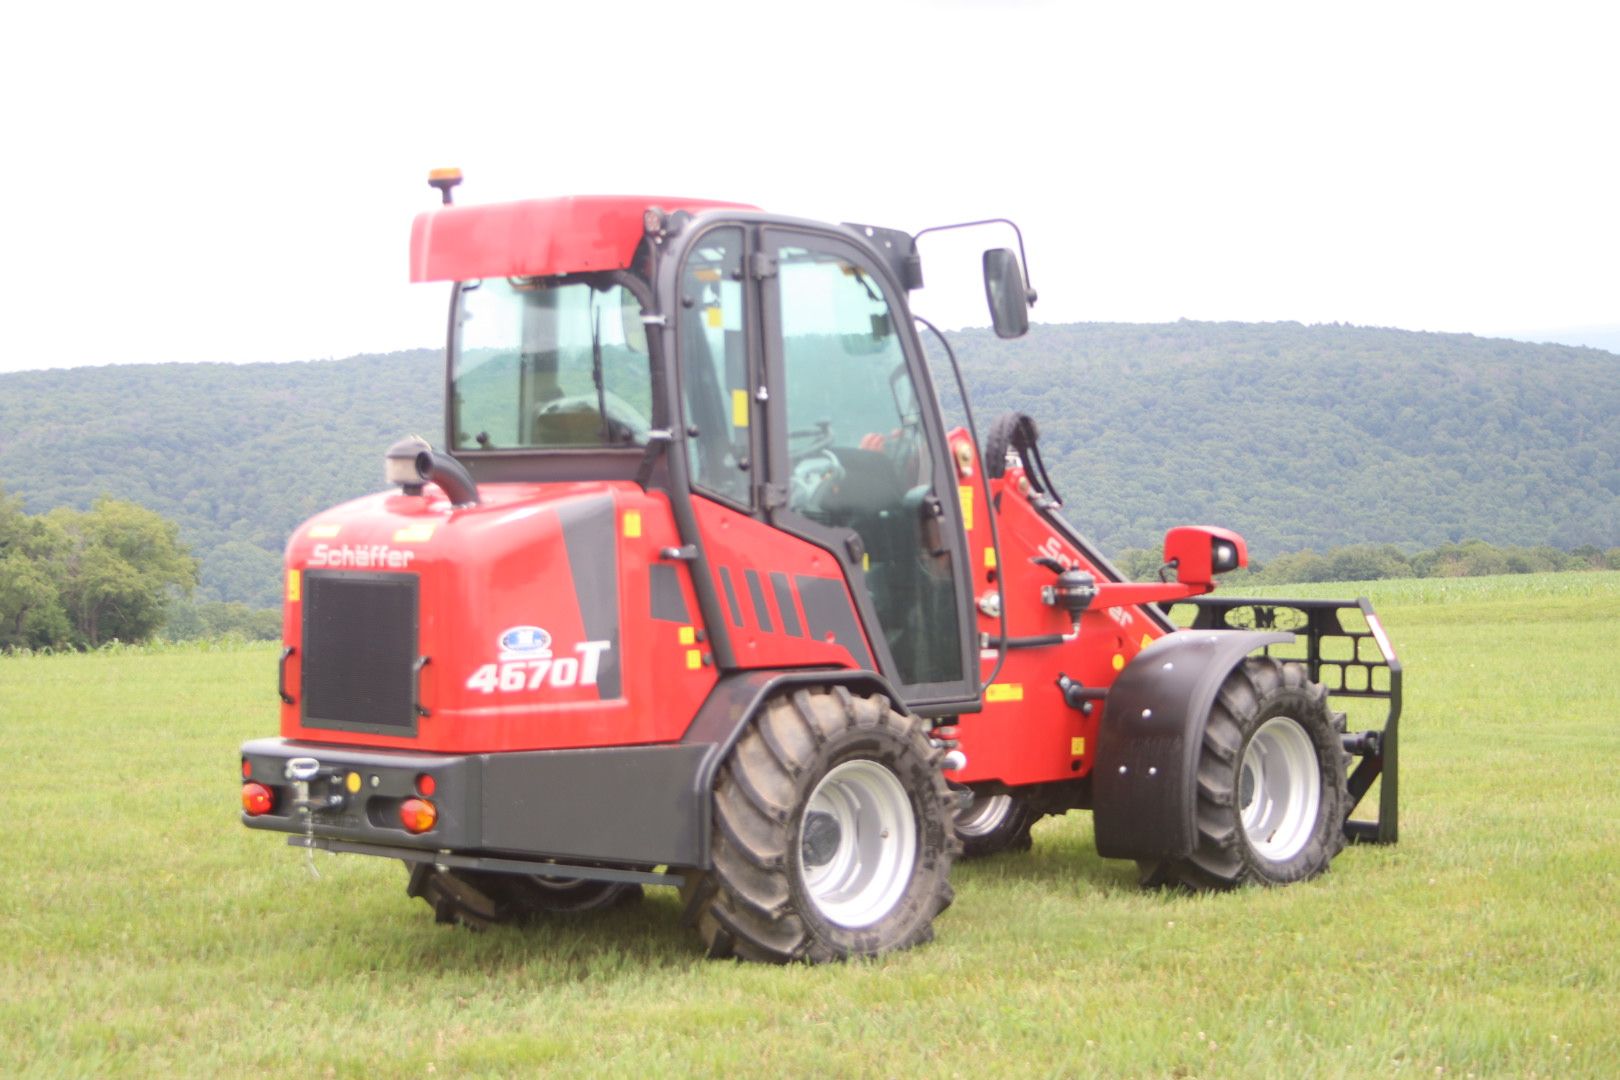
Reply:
x=983, y=815
x=857, y=843
x=1279, y=789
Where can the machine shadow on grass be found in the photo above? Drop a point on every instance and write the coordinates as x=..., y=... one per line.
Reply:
x=637, y=936
x=1048, y=866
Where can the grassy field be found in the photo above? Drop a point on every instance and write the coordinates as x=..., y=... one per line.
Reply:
x=144, y=931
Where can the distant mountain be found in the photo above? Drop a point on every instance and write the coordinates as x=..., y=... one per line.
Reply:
x=1595, y=337
x=1297, y=436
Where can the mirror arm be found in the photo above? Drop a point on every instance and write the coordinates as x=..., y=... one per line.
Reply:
x=1029, y=285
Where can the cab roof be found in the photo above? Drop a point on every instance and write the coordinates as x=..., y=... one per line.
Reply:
x=537, y=237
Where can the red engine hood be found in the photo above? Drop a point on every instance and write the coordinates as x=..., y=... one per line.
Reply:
x=533, y=627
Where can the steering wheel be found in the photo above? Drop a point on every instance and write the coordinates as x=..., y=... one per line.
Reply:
x=814, y=476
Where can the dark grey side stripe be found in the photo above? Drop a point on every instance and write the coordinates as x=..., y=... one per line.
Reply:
x=785, y=605
x=668, y=603
x=731, y=596
x=757, y=594
x=593, y=563
x=827, y=609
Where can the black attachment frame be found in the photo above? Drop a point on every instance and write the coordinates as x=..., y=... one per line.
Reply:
x=1356, y=675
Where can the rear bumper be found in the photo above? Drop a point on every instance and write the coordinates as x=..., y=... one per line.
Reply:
x=630, y=806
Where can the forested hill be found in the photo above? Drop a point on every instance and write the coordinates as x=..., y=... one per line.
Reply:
x=237, y=454
x=1297, y=436
x=1315, y=436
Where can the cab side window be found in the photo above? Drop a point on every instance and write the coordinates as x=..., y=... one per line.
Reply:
x=857, y=452
x=713, y=366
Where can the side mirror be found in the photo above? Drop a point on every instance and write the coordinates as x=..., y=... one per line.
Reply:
x=1199, y=552
x=1004, y=288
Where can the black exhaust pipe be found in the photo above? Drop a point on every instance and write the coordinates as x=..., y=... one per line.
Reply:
x=450, y=475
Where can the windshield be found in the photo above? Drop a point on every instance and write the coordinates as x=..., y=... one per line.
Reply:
x=539, y=365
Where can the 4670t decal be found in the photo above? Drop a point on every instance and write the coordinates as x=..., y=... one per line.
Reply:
x=527, y=664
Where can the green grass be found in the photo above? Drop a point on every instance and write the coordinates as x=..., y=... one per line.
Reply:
x=144, y=931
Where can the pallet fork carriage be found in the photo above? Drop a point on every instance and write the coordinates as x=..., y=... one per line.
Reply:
x=701, y=590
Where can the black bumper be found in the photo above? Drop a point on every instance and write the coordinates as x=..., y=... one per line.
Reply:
x=631, y=806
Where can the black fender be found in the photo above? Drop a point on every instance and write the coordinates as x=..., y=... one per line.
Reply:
x=1145, y=783
x=727, y=711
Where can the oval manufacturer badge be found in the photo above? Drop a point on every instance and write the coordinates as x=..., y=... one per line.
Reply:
x=525, y=641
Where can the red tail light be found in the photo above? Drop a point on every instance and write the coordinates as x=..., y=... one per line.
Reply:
x=426, y=785
x=418, y=815
x=256, y=799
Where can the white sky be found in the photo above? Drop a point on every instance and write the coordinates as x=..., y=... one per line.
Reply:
x=236, y=182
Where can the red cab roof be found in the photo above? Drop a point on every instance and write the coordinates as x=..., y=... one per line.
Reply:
x=536, y=237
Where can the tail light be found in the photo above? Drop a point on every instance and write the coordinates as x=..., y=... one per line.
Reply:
x=256, y=799
x=426, y=785
x=418, y=815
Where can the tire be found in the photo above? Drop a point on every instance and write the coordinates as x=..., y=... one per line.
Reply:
x=480, y=899
x=1271, y=784
x=832, y=835
x=991, y=824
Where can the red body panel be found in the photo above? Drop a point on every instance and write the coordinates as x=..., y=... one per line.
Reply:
x=1027, y=734
x=536, y=237
x=504, y=564
x=738, y=545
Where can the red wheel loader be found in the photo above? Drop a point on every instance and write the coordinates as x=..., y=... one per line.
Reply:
x=700, y=591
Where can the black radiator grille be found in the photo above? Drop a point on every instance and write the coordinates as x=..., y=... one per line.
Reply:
x=359, y=652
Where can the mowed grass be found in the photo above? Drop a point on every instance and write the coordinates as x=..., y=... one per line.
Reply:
x=146, y=932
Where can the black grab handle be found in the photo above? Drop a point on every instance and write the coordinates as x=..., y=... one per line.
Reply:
x=281, y=676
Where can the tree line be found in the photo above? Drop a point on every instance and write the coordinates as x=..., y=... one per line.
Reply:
x=82, y=578
x=1299, y=437
x=1375, y=562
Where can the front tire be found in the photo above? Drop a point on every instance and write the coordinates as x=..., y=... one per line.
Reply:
x=832, y=835
x=1272, y=796
x=991, y=824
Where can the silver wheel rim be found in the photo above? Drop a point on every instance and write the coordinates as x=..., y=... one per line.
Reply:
x=857, y=843
x=1279, y=789
x=983, y=815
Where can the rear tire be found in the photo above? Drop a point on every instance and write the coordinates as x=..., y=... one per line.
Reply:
x=1272, y=797
x=832, y=835
x=480, y=899
x=991, y=824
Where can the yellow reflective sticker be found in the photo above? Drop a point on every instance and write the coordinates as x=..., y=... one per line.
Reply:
x=324, y=532
x=965, y=493
x=1119, y=661
x=1077, y=746
x=414, y=534
x=712, y=316
x=292, y=587
x=352, y=782
x=866, y=561
x=694, y=659
x=1147, y=639
x=688, y=636
x=739, y=408
x=989, y=558
x=1004, y=692
x=632, y=524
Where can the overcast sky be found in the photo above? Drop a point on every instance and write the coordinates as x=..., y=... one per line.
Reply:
x=234, y=182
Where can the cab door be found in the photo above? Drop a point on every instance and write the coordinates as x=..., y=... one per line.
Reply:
x=858, y=461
